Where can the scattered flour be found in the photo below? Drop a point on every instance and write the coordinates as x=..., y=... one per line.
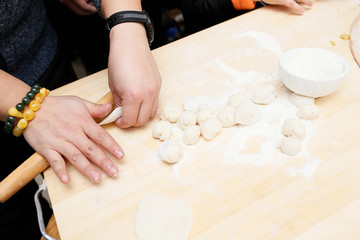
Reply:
x=233, y=144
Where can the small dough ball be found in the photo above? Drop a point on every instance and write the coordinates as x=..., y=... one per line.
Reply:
x=236, y=99
x=264, y=94
x=226, y=115
x=294, y=127
x=299, y=100
x=210, y=128
x=308, y=112
x=162, y=130
x=171, y=151
x=171, y=112
x=204, y=113
x=290, y=146
x=191, y=134
x=186, y=118
x=247, y=113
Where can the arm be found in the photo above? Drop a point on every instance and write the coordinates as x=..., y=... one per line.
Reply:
x=134, y=78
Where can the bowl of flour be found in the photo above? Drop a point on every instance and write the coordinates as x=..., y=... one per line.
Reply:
x=312, y=72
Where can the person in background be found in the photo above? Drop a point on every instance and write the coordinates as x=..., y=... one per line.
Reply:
x=62, y=128
x=201, y=14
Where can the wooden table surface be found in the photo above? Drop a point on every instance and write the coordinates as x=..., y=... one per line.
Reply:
x=235, y=191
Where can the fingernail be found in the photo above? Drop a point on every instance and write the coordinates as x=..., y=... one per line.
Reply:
x=118, y=154
x=112, y=170
x=95, y=176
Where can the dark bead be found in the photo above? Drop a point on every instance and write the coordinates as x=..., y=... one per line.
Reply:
x=8, y=127
x=36, y=85
x=30, y=95
x=26, y=100
x=34, y=90
x=11, y=119
x=20, y=107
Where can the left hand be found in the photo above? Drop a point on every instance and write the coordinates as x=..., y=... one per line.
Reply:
x=80, y=7
x=134, y=78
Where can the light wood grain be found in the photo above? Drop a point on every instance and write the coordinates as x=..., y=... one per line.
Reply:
x=229, y=200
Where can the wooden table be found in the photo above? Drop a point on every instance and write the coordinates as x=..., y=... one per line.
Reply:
x=309, y=196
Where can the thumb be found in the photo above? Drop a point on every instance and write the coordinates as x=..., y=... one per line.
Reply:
x=98, y=111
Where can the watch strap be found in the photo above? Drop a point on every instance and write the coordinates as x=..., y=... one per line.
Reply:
x=132, y=16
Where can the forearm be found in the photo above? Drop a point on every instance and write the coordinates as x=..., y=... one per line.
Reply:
x=13, y=91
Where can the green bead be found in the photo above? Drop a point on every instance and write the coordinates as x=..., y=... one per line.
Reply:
x=30, y=95
x=8, y=127
x=20, y=107
x=11, y=119
x=26, y=100
x=36, y=85
x=34, y=90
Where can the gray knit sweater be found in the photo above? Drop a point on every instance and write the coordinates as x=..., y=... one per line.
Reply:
x=27, y=41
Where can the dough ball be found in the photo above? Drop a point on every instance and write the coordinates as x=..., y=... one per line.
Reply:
x=294, y=127
x=264, y=94
x=299, y=100
x=162, y=130
x=290, y=146
x=236, y=99
x=186, y=118
x=171, y=151
x=226, y=115
x=247, y=113
x=210, y=128
x=171, y=112
x=308, y=112
x=191, y=134
x=204, y=113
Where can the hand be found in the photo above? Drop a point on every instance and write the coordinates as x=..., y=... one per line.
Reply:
x=292, y=4
x=64, y=128
x=134, y=78
x=80, y=7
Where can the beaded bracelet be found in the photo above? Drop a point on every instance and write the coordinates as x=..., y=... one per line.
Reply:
x=33, y=99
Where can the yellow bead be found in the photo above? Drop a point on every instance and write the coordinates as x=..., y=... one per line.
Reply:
x=28, y=114
x=34, y=105
x=39, y=97
x=17, y=131
x=44, y=91
x=15, y=113
x=22, y=124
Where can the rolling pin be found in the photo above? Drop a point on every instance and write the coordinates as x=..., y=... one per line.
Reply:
x=30, y=168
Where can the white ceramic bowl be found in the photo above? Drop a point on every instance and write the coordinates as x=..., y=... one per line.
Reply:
x=312, y=72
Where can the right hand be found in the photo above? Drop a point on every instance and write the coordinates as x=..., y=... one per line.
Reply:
x=64, y=128
x=292, y=4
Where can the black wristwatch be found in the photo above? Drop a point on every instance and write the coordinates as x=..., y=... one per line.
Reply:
x=132, y=16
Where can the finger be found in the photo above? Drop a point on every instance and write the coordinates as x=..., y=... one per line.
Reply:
x=129, y=116
x=105, y=140
x=144, y=114
x=155, y=106
x=81, y=8
x=96, y=154
x=98, y=110
x=294, y=6
x=76, y=158
x=306, y=2
x=58, y=165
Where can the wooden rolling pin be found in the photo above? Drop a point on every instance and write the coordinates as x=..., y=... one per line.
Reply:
x=30, y=168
